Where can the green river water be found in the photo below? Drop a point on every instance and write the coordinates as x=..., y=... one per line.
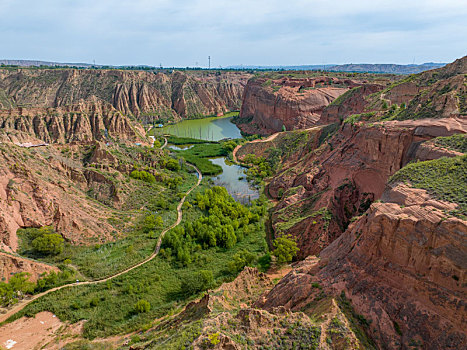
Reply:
x=212, y=129
x=215, y=129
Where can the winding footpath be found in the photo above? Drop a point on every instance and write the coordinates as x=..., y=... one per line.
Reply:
x=269, y=138
x=23, y=303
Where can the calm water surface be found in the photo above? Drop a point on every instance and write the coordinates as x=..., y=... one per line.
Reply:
x=215, y=129
x=233, y=179
x=212, y=129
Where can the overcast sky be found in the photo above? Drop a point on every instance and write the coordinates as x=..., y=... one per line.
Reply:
x=249, y=32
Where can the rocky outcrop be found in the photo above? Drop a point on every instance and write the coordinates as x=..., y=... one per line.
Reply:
x=321, y=191
x=11, y=264
x=42, y=187
x=268, y=104
x=165, y=95
x=402, y=265
x=440, y=93
x=64, y=125
x=353, y=101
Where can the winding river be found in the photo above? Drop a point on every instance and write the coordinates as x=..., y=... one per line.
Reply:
x=215, y=129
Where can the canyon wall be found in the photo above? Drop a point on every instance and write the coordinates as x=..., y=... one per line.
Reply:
x=393, y=250
x=271, y=104
x=320, y=191
x=402, y=265
x=168, y=95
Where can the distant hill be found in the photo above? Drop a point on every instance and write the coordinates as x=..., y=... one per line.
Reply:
x=30, y=63
x=357, y=68
x=386, y=68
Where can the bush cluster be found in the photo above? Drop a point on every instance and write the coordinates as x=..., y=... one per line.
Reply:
x=225, y=222
x=43, y=241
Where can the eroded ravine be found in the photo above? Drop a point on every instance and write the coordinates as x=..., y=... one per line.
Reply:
x=22, y=304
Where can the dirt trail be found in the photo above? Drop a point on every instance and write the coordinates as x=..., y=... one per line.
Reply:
x=20, y=305
x=268, y=139
x=165, y=143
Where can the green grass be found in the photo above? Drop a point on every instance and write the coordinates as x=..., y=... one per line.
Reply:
x=204, y=165
x=199, y=154
x=444, y=178
x=456, y=142
x=231, y=114
x=108, y=307
x=176, y=140
x=358, y=117
x=132, y=243
x=342, y=98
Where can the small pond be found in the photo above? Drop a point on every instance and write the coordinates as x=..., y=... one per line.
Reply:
x=215, y=129
x=233, y=179
x=211, y=129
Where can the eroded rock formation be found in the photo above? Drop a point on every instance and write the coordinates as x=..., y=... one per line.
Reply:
x=165, y=95
x=268, y=105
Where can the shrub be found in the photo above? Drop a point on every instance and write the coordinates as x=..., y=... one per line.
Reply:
x=48, y=244
x=142, y=306
x=173, y=165
x=285, y=249
x=214, y=338
x=143, y=175
x=195, y=283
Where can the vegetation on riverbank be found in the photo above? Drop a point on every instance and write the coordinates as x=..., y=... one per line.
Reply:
x=200, y=153
x=165, y=282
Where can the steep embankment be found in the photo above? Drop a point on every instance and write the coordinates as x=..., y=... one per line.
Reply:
x=399, y=261
x=295, y=103
x=319, y=191
x=147, y=95
x=85, y=122
x=402, y=264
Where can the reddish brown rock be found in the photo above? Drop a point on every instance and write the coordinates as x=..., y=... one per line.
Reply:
x=353, y=102
x=294, y=103
x=139, y=93
x=402, y=265
x=10, y=265
x=340, y=180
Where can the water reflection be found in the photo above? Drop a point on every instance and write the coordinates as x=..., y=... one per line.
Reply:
x=233, y=179
x=212, y=129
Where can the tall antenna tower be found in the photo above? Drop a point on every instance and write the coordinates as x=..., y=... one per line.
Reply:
x=209, y=59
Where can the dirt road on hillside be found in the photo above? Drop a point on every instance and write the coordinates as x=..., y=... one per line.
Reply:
x=23, y=303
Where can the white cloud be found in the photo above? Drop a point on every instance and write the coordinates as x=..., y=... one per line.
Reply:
x=244, y=31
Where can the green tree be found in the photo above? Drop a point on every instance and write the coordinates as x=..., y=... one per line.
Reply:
x=152, y=222
x=229, y=146
x=48, y=244
x=197, y=282
x=285, y=249
x=173, y=165
x=142, y=306
x=240, y=260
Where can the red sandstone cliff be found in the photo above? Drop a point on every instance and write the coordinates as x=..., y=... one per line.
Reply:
x=325, y=188
x=168, y=95
x=268, y=104
x=402, y=265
